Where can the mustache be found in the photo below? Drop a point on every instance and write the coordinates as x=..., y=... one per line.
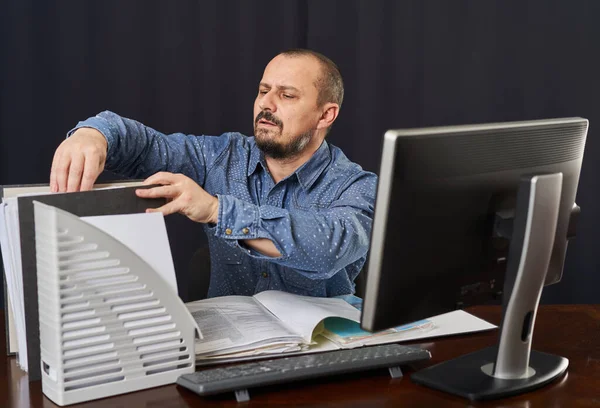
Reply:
x=267, y=115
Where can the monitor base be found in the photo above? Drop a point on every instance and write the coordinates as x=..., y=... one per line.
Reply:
x=464, y=376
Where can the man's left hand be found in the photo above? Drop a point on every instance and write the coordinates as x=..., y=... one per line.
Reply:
x=185, y=196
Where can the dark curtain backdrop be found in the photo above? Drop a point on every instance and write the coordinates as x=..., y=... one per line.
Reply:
x=193, y=66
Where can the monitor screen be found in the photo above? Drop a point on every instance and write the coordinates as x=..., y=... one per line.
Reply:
x=441, y=193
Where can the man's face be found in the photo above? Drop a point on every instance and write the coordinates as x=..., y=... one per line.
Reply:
x=285, y=109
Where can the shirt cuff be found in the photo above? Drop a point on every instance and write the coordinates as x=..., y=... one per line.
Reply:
x=240, y=220
x=237, y=219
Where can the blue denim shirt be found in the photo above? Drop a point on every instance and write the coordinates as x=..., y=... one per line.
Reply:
x=319, y=217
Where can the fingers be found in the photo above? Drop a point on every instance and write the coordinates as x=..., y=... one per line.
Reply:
x=62, y=173
x=72, y=173
x=75, y=172
x=169, y=208
x=78, y=161
x=162, y=177
x=186, y=197
x=169, y=191
x=90, y=173
x=54, y=172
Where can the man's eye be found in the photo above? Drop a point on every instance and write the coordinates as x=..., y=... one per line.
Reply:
x=287, y=96
x=262, y=92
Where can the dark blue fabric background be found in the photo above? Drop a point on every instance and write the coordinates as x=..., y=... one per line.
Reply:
x=193, y=66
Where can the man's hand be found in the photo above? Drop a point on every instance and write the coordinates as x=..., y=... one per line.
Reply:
x=185, y=197
x=78, y=161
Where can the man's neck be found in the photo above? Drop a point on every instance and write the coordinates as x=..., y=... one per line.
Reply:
x=282, y=168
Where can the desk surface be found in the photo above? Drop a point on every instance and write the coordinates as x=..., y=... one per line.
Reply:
x=572, y=331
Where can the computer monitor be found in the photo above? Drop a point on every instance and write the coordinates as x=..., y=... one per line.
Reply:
x=468, y=214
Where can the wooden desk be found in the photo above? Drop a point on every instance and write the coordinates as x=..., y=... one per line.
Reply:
x=572, y=331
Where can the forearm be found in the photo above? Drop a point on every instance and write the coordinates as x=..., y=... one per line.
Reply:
x=136, y=150
x=262, y=245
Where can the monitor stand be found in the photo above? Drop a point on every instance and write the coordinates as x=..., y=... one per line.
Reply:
x=511, y=367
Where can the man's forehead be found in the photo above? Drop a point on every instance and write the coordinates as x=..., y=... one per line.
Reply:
x=297, y=72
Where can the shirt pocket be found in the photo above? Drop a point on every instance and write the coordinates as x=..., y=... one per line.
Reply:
x=314, y=202
x=297, y=283
x=231, y=256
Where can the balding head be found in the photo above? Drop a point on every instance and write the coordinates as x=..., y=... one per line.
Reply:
x=329, y=82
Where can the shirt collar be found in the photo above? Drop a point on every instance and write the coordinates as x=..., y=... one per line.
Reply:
x=307, y=174
x=255, y=158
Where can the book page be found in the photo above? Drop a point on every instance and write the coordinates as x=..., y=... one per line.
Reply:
x=146, y=235
x=236, y=323
x=303, y=314
x=319, y=345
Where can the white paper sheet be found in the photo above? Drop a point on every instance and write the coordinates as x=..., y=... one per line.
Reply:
x=447, y=324
x=310, y=310
x=146, y=235
x=455, y=322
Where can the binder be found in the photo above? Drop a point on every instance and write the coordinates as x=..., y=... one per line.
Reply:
x=107, y=201
x=108, y=323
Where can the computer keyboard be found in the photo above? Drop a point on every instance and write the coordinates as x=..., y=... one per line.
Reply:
x=240, y=377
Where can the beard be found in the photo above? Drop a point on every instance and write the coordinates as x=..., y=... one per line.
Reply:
x=266, y=139
x=277, y=150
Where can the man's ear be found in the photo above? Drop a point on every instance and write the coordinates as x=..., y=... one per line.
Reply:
x=329, y=114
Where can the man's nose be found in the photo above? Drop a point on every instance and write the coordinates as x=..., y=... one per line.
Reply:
x=267, y=102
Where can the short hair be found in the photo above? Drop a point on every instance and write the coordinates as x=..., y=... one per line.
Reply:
x=329, y=83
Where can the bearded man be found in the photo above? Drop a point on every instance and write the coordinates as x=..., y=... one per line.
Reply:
x=282, y=210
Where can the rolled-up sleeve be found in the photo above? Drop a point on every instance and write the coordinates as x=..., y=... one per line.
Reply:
x=136, y=150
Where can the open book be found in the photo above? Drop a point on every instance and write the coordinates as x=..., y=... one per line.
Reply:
x=237, y=328
x=268, y=322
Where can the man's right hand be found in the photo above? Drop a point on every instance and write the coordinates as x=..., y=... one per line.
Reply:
x=78, y=161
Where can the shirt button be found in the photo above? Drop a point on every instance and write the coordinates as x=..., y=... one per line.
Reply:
x=264, y=274
x=228, y=231
x=245, y=230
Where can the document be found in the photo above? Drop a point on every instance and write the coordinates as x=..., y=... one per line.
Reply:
x=274, y=322
x=268, y=322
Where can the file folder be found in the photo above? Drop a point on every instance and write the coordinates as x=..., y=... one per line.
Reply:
x=105, y=201
x=108, y=323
